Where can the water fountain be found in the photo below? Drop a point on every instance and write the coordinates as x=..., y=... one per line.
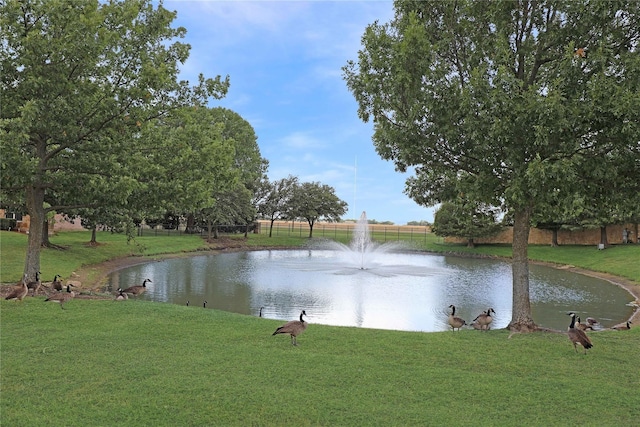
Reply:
x=363, y=253
x=361, y=242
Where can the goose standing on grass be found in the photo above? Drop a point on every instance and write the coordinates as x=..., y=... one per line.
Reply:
x=19, y=292
x=623, y=326
x=484, y=319
x=121, y=295
x=56, y=284
x=138, y=289
x=455, y=321
x=63, y=297
x=35, y=285
x=578, y=336
x=260, y=314
x=293, y=328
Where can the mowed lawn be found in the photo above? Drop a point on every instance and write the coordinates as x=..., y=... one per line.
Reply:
x=139, y=363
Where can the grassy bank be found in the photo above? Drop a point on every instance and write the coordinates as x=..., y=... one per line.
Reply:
x=137, y=363
x=140, y=363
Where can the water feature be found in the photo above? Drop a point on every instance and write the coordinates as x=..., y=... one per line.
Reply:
x=374, y=286
x=365, y=254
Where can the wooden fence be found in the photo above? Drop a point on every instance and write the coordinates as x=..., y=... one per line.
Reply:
x=330, y=230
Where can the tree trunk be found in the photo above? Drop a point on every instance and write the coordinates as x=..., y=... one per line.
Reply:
x=470, y=243
x=521, y=319
x=215, y=230
x=311, y=229
x=603, y=236
x=191, y=224
x=35, y=209
x=45, y=234
x=271, y=227
x=554, y=238
x=93, y=240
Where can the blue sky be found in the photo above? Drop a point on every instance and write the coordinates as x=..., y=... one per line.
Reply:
x=284, y=59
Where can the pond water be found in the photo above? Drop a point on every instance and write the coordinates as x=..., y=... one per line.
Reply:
x=401, y=291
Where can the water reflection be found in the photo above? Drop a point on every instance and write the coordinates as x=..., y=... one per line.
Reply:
x=400, y=291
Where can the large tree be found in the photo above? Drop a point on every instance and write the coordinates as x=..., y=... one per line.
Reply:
x=79, y=81
x=185, y=159
x=274, y=198
x=502, y=92
x=313, y=201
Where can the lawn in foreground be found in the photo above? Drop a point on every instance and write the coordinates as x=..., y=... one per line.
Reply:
x=142, y=363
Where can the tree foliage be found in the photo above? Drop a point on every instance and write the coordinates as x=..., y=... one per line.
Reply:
x=466, y=219
x=313, y=201
x=275, y=197
x=80, y=81
x=500, y=94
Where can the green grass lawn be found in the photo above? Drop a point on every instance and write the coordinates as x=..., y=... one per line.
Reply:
x=137, y=363
x=78, y=253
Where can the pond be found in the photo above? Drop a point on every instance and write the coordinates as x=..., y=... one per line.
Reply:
x=400, y=291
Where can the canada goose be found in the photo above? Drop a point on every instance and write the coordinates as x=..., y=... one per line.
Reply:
x=623, y=326
x=138, y=289
x=19, y=292
x=187, y=303
x=293, y=328
x=260, y=314
x=591, y=321
x=484, y=319
x=204, y=304
x=454, y=321
x=63, y=297
x=56, y=284
x=35, y=285
x=121, y=295
x=583, y=326
x=578, y=336
x=475, y=324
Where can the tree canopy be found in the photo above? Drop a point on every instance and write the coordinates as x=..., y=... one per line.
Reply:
x=467, y=220
x=504, y=95
x=80, y=81
x=313, y=201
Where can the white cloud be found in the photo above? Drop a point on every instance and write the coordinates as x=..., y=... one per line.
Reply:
x=301, y=141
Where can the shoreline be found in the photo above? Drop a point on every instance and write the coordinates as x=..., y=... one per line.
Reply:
x=102, y=270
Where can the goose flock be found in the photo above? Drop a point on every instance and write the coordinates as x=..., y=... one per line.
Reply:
x=576, y=330
x=61, y=294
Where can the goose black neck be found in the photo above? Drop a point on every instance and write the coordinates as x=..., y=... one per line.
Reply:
x=573, y=322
